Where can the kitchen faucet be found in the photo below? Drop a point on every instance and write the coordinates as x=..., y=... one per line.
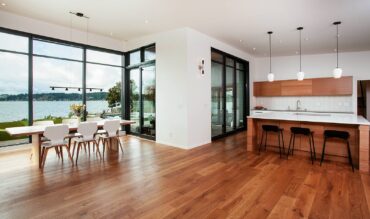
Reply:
x=298, y=105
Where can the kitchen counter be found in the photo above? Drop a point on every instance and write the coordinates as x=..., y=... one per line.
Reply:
x=335, y=118
x=357, y=126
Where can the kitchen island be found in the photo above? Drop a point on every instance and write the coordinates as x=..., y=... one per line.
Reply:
x=357, y=126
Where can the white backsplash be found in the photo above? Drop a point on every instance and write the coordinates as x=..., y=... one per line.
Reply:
x=321, y=104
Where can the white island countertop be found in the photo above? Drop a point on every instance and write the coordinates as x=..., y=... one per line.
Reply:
x=337, y=118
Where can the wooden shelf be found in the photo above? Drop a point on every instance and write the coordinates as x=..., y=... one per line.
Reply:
x=308, y=87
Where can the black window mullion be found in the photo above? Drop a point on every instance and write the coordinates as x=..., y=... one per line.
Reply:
x=224, y=96
x=84, y=82
x=141, y=113
x=234, y=96
x=30, y=81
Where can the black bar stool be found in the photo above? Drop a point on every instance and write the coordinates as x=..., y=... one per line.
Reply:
x=306, y=132
x=274, y=129
x=341, y=135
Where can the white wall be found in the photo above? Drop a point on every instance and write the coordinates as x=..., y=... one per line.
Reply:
x=25, y=24
x=183, y=96
x=356, y=64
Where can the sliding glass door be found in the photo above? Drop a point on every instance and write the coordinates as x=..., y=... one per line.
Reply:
x=142, y=87
x=142, y=100
x=229, y=93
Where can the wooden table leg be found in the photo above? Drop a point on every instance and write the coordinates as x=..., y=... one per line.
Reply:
x=251, y=134
x=36, y=149
x=364, y=148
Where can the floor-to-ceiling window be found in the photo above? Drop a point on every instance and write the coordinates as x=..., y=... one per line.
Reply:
x=13, y=85
x=103, y=84
x=57, y=80
x=142, y=86
x=230, y=99
x=42, y=77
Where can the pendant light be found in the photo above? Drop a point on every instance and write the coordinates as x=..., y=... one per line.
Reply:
x=337, y=72
x=270, y=76
x=300, y=74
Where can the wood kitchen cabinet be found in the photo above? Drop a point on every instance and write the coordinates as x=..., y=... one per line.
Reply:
x=308, y=87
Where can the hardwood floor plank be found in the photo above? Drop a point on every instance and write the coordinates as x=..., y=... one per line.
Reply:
x=150, y=180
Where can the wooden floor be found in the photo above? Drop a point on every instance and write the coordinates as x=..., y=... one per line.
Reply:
x=220, y=180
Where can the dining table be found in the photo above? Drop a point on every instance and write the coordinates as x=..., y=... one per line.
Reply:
x=36, y=132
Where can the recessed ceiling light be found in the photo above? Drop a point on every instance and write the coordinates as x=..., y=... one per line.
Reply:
x=306, y=39
x=3, y=4
x=146, y=21
x=280, y=41
x=335, y=50
x=254, y=49
x=111, y=33
x=296, y=52
x=240, y=40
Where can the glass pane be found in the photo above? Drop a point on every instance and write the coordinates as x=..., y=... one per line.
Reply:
x=103, y=91
x=135, y=58
x=239, y=66
x=148, y=97
x=13, y=42
x=54, y=104
x=134, y=100
x=229, y=99
x=149, y=53
x=56, y=50
x=103, y=57
x=13, y=95
x=230, y=62
x=217, y=57
x=240, y=98
x=217, y=99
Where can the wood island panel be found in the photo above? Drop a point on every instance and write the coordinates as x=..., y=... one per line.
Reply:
x=336, y=149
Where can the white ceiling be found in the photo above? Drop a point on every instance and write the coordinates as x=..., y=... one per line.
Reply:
x=241, y=23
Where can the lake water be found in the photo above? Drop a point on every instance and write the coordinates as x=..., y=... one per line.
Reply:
x=18, y=110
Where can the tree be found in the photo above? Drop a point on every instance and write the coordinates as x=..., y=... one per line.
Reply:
x=114, y=95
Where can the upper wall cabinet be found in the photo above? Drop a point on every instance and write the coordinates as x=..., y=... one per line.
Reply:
x=307, y=87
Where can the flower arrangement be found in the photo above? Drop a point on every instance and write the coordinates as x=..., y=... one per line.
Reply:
x=77, y=109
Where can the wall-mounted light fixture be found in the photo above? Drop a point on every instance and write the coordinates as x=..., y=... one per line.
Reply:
x=201, y=66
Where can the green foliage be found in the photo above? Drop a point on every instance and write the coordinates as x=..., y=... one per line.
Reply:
x=114, y=95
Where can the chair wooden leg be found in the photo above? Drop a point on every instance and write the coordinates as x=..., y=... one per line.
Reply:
x=61, y=152
x=259, y=150
x=120, y=144
x=323, y=152
x=57, y=151
x=74, y=148
x=42, y=154
x=97, y=149
x=313, y=146
x=311, y=150
x=293, y=144
x=44, y=157
x=279, y=144
x=78, y=151
x=290, y=144
x=350, y=156
x=88, y=145
x=69, y=155
x=282, y=139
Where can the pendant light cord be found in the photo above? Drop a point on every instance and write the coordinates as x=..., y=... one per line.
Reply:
x=270, y=52
x=300, y=50
x=337, y=46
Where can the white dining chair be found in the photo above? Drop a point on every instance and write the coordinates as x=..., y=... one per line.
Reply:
x=87, y=131
x=112, y=128
x=70, y=136
x=43, y=138
x=56, y=135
